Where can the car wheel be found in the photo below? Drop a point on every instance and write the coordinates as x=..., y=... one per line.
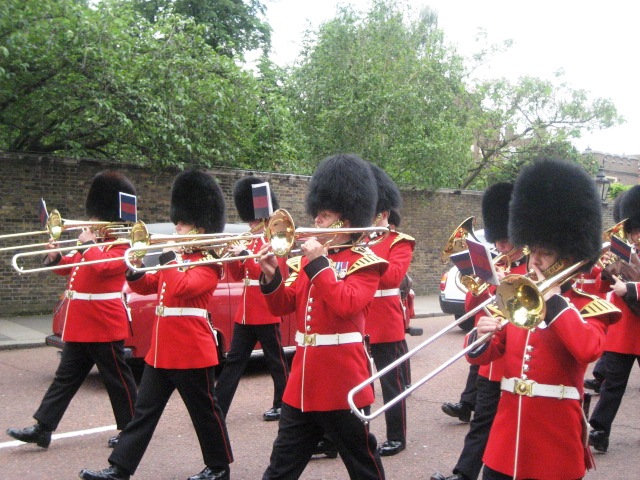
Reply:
x=467, y=325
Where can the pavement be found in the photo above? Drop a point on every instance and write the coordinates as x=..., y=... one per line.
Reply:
x=31, y=330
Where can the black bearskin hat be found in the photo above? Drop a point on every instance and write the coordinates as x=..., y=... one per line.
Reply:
x=555, y=204
x=196, y=198
x=389, y=197
x=617, y=207
x=394, y=218
x=495, y=211
x=103, y=199
x=344, y=183
x=243, y=198
x=630, y=208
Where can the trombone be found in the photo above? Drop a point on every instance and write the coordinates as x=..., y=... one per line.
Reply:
x=280, y=233
x=519, y=299
x=137, y=232
x=56, y=225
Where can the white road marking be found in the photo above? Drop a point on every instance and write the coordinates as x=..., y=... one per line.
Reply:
x=58, y=436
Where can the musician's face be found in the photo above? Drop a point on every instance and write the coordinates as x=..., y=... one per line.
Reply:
x=326, y=218
x=634, y=236
x=184, y=228
x=543, y=258
x=504, y=246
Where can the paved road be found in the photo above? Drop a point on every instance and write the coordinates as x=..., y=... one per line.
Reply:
x=434, y=440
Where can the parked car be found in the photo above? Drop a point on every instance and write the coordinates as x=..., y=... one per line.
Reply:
x=452, y=292
x=222, y=308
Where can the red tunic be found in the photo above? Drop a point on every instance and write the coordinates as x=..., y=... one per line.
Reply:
x=493, y=370
x=253, y=309
x=544, y=436
x=385, y=322
x=95, y=320
x=624, y=336
x=181, y=342
x=328, y=301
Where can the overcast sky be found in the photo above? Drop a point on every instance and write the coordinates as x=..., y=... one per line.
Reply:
x=595, y=43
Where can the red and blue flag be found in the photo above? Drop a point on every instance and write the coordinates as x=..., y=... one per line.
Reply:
x=262, y=207
x=481, y=261
x=462, y=260
x=128, y=207
x=621, y=248
x=43, y=214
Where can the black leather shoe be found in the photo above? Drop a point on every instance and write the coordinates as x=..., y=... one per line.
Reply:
x=439, y=476
x=599, y=440
x=209, y=473
x=593, y=384
x=271, y=415
x=326, y=447
x=112, y=472
x=113, y=441
x=461, y=411
x=390, y=447
x=35, y=434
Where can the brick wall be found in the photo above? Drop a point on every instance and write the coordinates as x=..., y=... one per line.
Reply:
x=428, y=216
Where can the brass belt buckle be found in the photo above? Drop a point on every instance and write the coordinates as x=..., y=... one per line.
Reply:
x=247, y=282
x=310, y=339
x=523, y=387
x=160, y=310
x=69, y=294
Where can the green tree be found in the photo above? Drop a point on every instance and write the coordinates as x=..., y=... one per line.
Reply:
x=387, y=89
x=232, y=27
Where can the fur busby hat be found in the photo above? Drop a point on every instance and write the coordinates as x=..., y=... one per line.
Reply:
x=617, y=208
x=103, y=199
x=630, y=208
x=495, y=211
x=555, y=204
x=344, y=183
x=243, y=198
x=389, y=197
x=196, y=198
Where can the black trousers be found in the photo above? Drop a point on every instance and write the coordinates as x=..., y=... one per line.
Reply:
x=470, y=460
x=196, y=388
x=299, y=432
x=599, y=368
x=393, y=383
x=469, y=393
x=245, y=338
x=617, y=370
x=77, y=361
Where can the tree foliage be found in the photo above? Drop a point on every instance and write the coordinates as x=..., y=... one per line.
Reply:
x=104, y=82
x=231, y=27
x=389, y=90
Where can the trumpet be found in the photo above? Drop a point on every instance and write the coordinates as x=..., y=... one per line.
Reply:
x=56, y=225
x=518, y=299
x=280, y=233
x=137, y=232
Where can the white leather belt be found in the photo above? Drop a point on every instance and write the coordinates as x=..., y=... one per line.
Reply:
x=533, y=389
x=390, y=292
x=316, y=339
x=162, y=311
x=73, y=295
x=251, y=283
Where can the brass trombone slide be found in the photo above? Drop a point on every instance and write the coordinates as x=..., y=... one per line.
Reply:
x=521, y=302
x=137, y=232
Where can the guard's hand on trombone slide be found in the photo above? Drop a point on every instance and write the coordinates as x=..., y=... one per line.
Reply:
x=268, y=262
x=489, y=324
x=87, y=235
x=313, y=249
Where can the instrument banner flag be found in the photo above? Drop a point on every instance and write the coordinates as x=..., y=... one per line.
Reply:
x=128, y=207
x=262, y=207
x=462, y=260
x=481, y=260
x=43, y=214
x=621, y=248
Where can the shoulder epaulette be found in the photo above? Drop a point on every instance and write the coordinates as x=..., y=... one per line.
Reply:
x=368, y=258
x=402, y=237
x=597, y=307
x=294, y=263
x=291, y=278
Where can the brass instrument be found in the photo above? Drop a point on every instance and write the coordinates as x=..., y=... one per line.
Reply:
x=280, y=233
x=56, y=225
x=519, y=300
x=475, y=284
x=457, y=241
x=137, y=232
